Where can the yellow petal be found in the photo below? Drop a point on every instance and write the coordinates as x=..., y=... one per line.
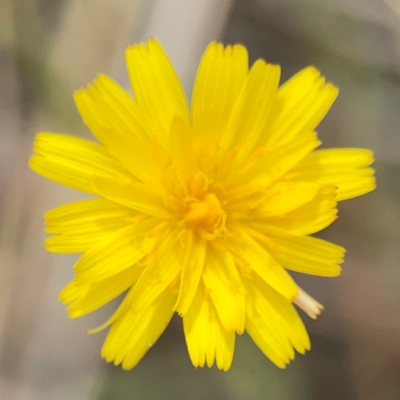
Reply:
x=121, y=110
x=72, y=215
x=139, y=197
x=304, y=254
x=132, y=335
x=181, y=151
x=72, y=292
x=144, y=160
x=273, y=324
x=264, y=265
x=303, y=101
x=193, y=257
x=99, y=294
x=220, y=77
x=299, y=84
x=72, y=161
x=254, y=108
x=119, y=312
x=74, y=243
x=161, y=270
x=285, y=197
x=344, y=168
x=205, y=132
x=272, y=165
x=206, y=339
x=155, y=84
x=310, y=218
x=82, y=224
x=225, y=288
x=117, y=252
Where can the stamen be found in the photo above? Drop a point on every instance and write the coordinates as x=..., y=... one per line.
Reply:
x=199, y=185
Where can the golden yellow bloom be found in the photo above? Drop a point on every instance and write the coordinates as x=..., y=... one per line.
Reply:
x=201, y=211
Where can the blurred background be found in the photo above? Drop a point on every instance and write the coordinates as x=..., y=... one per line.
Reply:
x=48, y=48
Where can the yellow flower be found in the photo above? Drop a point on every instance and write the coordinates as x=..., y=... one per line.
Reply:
x=203, y=211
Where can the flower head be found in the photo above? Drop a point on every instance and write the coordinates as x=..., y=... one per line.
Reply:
x=201, y=212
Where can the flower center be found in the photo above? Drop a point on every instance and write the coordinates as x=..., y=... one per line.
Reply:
x=206, y=213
